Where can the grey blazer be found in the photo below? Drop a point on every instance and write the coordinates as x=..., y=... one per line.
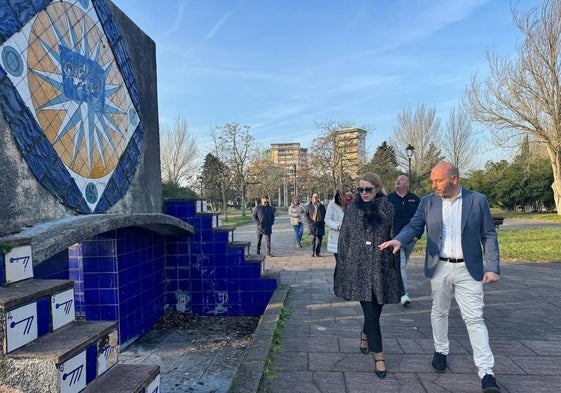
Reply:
x=479, y=237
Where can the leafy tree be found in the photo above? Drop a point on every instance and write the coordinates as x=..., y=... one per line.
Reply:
x=216, y=183
x=521, y=97
x=383, y=163
x=178, y=153
x=507, y=190
x=171, y=190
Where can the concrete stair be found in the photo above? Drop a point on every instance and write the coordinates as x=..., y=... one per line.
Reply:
x=45, y=349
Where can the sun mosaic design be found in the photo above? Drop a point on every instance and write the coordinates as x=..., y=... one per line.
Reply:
x=70, y=99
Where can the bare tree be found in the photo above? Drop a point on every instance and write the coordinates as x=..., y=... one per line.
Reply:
x=523, y=96
x=178, y=153
x=234, y=145
x=459, y=144
x=263, y=178
x=421, y=129
x=330, y=153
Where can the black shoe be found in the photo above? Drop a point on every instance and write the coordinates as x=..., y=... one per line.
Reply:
x=380, y=373
x=313, y=255
x=269, y=254
x=364, y=350
x=439, y=362
x=489, y=384
x=318, y=255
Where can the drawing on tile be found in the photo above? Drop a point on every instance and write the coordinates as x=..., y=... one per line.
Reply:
x=78, y=123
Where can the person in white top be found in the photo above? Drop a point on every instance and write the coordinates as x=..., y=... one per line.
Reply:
x=296, y=213
x=334, y=216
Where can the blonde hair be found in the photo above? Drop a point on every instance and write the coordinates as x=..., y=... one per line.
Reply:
x=373, y=179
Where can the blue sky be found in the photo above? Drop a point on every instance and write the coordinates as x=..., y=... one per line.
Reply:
x=281, y=66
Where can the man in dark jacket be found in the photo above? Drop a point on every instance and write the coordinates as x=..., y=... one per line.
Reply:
x=315, y=215
x=405, y=204
x=264, y=218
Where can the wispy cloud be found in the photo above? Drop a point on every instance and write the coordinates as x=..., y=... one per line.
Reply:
x=218, y=25
x=175, y=26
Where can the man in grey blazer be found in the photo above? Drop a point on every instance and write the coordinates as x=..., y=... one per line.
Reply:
x=460, y=236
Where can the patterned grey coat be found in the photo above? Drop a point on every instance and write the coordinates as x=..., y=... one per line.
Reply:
x=363, y=270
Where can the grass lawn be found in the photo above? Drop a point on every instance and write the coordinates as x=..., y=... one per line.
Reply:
x=515, y=245
x=523, y=245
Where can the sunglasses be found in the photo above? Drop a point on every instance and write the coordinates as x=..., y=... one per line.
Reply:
x=360, y=190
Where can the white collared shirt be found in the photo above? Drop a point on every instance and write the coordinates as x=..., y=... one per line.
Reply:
x=452, y=227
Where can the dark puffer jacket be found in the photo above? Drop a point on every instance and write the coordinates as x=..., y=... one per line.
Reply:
x=361, y=268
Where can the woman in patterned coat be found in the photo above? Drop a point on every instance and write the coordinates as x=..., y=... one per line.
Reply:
x=363, y=272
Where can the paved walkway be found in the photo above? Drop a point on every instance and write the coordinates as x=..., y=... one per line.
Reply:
x=319, y=349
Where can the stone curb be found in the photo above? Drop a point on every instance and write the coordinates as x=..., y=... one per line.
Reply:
x=248, y=377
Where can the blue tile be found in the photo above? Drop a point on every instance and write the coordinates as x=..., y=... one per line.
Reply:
x=92, y=312
x=2, y=275
x=91, y=297
x=108, y=296
x=108, y=280
x=91, y=281
x=55, y=267
x=108, y=313
x=43, y=316
x=91, y=362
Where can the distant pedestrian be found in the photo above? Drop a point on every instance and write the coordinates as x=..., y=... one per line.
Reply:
x=264, y=218
x=315, y=215
x=297, y=213
x=334, y=216
x=460, y=236
x=405, y=204
x=363, y=272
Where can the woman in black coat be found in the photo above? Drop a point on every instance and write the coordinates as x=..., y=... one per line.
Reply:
x=363, y=272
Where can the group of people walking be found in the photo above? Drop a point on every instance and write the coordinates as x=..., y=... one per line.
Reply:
x=372, y=235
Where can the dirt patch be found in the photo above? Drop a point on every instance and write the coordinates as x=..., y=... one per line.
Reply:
x=210, y=332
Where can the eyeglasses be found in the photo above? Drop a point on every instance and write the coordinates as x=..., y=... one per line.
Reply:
x=360, y=190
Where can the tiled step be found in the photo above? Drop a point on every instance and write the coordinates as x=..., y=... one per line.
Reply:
x=238, y=243
x=257, y=258
x=63, y=361
x=17, y=263
x=23, y=292
x=127, y=378
x=32, y=308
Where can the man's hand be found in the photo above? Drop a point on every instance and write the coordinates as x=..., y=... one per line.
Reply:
x=394, y=244
x=490, y=277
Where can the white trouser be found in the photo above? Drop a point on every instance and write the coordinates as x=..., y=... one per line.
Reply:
x=454, y=277
x=404, y=254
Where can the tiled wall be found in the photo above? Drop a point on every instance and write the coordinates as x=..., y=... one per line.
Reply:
x=131, y=275
x=213, y=276
x=120, y=275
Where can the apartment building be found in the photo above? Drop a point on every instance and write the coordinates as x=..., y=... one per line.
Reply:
x=350, y=149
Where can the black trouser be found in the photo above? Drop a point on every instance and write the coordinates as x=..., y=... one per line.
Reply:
x=371, y=328
x=267, y=242
x=316, y=244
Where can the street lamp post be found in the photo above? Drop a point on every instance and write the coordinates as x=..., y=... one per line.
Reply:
x=200, y=179
x=294, y=174
x=409, y=151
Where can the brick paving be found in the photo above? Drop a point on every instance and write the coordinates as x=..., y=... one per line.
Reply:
x=319, y=348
